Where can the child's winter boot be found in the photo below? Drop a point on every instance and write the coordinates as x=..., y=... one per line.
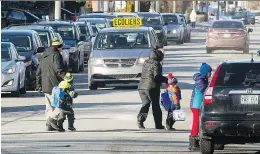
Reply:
x=194, y=143
x=169, y=124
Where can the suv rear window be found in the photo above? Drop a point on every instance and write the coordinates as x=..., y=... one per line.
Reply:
x=238, y=75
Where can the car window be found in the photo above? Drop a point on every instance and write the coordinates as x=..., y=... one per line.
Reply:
x=256, y=13
x=228, y=25
x=45, y=39
x=17, y=15
x=22, y=43
x=122, y=40
x=38, y=40
x=5, y=54
x=170, y=19
x=238, y=74
x=151, y=20
x=94, y=28
x=84, y=30
x=66, y=32
x=155, y=37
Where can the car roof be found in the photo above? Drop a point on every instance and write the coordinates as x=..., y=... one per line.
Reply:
x=56, y=22
x=236, y=61
x=97, y=14
x=134, y=29
x=80, y=22
x=19, y=31
x=32, y=27
x=169, y=14
x=149, y=13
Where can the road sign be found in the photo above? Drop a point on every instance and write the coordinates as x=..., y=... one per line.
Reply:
x=127, y=22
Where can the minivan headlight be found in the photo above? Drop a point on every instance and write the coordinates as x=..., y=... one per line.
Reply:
x=142, y=60
x=96, y=61
x=9, y=70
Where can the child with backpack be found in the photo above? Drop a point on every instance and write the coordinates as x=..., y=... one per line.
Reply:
x=62, y=100
x=174, y=96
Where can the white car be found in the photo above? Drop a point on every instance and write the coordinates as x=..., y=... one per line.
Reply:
x=13, y=70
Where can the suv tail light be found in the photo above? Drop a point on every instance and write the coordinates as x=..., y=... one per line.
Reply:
x=209, y=90
x=241, y=34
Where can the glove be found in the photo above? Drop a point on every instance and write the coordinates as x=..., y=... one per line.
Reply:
x=73, y=94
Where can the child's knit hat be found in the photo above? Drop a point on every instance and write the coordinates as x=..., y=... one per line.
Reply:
x=204, y=69
x=172, y=80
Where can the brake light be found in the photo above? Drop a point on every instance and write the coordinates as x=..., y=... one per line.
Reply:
x=241, y=34
x=209, y=90
x=209, y=123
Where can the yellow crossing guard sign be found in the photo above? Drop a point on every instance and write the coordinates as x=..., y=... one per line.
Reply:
x=127, y=22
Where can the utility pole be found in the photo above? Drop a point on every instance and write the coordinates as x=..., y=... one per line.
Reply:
x=173, y=6
x=194, y=5
x=57, y=10
x=105, y=6
x=157, y=4
x=218, y=11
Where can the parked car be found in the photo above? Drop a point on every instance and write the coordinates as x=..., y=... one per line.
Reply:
x=246, y=16
x=187, y=28
x=125, y=15
x=27, y=43
x=256, y=14
x=47, y=36
x=70, y=33
x=99, y=22
x=13, y=78
x=175, y=29
x=155, y=20
x=98, y=15
x=231, y=109
x=86, y=31
x=228, y=35
x=19, y=16
x=118, y=55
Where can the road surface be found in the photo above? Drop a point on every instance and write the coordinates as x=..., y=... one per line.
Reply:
x=106, y=119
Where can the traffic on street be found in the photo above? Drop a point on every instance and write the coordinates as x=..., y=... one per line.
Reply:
x=130, y=82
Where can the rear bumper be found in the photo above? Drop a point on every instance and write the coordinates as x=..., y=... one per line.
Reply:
x=217, y=127
x=238, y=44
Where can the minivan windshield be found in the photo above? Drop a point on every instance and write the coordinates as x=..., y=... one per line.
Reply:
x=170, y=19
x=122, y=40
x=238, y=74
x=66, y=32
x=22, y=42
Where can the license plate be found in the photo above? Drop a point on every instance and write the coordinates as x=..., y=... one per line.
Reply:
x=249, y=99
x=227, y=35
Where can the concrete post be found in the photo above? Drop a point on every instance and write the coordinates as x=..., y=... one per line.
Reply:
x=105, y=6
x=194, y=5
x=136, y=5
x=173, y=6
x=57, y=10
x=157, y=5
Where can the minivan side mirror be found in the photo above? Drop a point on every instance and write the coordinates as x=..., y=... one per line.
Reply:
x=250, y=30
x=40, y=50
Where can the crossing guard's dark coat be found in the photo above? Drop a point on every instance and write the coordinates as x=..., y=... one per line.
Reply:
x=149, y=87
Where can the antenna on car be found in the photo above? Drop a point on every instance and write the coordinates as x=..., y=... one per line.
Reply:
x=252, y=57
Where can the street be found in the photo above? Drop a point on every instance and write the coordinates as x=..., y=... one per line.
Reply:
x=106, y=118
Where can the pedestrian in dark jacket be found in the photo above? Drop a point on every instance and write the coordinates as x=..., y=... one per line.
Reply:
x=201, y=83
x=149, y=89
x=49, y=74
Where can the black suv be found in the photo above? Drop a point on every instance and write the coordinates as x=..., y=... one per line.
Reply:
x=231, y=106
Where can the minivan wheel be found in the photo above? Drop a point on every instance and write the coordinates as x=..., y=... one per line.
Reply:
x=219, y=146
x=206, y=146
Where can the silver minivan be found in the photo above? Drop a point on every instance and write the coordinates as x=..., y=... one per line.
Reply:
x=118, y=55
